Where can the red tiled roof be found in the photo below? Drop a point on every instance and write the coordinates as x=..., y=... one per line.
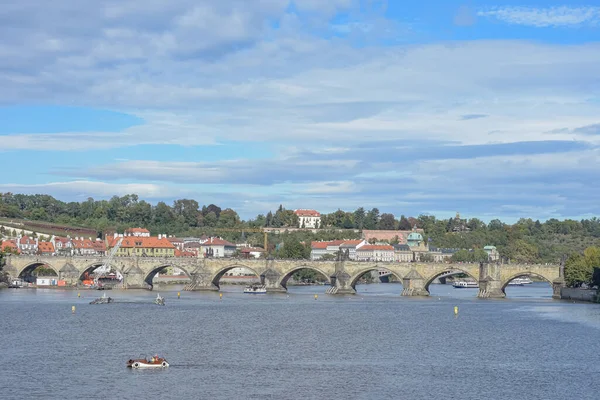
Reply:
x=371, y=247
x=61, y=239
x=143, y=242
x=252, y=250
x=9, y=244
x=319, y=245
x=83, y=244
x=26, y=240
x=179, y=253
x=307, y=213
x=217, y=242
x=45, y=247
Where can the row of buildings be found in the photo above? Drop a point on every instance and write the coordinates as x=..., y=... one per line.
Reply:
x=133, y=242
x=412, y=248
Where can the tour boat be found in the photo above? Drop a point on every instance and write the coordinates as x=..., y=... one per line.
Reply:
x=255, y=289
x=466, y=285
x=143, y=363
x=159, y=300
x=520, y=282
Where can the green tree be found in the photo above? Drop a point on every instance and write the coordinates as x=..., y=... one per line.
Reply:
x=387, y=222
x=359, y=218
x=577, y=271
x=293, y=249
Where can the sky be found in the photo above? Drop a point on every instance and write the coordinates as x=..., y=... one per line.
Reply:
x=488, y=108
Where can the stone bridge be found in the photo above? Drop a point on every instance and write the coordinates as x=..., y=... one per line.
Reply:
x=205, y=273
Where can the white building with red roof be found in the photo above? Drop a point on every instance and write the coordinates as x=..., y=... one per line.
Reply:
x=9, y=246
x=217, y=247
x=308, y=218
x=27, y=245
x=375, y=252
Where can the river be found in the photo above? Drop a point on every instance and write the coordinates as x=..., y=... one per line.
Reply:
x=373, y=345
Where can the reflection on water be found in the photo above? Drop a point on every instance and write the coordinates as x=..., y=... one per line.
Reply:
x=373, y=345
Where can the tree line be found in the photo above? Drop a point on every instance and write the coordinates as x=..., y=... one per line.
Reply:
x=527, y=240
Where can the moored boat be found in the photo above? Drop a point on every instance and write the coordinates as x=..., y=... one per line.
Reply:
x=465, y=285
x=255, y=289
x=145, y=363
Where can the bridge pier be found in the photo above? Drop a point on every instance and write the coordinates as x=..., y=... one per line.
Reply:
x=557, y=285
x=341, y=283
x=413, y=284
x=490, y=282
x=272, y=281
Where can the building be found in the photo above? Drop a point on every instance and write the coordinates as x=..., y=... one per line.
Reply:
x=403, y=253
x=45, y=248
x=252, y=252
x=27, y=245
x=308, y=218
x=137, y=232
x=62, y=245
x=9, y=246
x=350, y=247
x=492, y=253
x=441, y=255
x=178, y=243
x=87, y=247
x=142, y=246
x=217, y=247
x=375, y=252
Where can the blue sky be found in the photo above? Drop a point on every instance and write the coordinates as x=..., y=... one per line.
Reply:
x=490, y=108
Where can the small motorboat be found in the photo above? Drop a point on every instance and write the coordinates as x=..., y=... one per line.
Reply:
x=465, y=285
x=255, y=289
x=159, y=300
x=102, y=300
x=145, y=363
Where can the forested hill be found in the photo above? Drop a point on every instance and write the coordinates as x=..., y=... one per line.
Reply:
x=526, y=241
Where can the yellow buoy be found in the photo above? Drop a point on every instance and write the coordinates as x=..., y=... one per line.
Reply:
x=178, y=295
x=220, y=295
x=316, y=296
x=78, y=294
x=455, y=310
x=73, y=309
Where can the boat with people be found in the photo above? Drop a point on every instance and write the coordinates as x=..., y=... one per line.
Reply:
x=147, y=363
x=255, y=289
x=465, y=285
x=159, y=300
x=102, y=300
x=521, y=281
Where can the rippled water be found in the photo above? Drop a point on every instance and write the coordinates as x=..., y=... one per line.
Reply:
x=373, y=345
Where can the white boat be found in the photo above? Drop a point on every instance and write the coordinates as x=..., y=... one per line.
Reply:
x=255, y=289
x=143, y=363
x=465, y=285
x=520, y=282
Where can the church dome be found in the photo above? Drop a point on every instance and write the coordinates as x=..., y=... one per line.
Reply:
x=415, y=237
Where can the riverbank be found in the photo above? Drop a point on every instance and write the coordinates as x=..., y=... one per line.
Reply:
x=587, y=295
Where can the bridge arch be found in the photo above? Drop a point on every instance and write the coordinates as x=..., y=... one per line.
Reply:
x=95, y=265
x=155, y=270
x=286, y=277
x=524, y=273
x=219, y=274
x=29, y=268
x=432, y=277
x=361, y=273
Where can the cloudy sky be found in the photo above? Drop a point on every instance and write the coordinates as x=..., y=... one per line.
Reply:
x=490, y=108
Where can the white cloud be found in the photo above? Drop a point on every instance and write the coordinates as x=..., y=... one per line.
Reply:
x=80, y=190
x=545, y=17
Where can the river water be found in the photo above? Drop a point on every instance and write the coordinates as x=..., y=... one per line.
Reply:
x=373, y=345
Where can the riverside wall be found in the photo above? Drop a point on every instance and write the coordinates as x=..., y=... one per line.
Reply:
x=589, y=295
